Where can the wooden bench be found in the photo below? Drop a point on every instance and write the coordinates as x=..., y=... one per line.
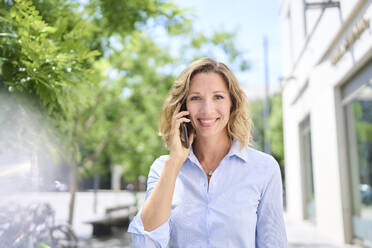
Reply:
x=118, y=216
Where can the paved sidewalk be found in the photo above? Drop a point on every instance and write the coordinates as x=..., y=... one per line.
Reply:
x=302, y=234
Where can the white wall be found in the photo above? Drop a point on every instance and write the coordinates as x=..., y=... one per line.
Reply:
x=326, y=154
x=292, y=162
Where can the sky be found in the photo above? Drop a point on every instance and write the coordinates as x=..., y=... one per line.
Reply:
x=252, y=20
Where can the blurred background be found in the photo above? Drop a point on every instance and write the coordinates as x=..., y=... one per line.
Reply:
x=82, y=84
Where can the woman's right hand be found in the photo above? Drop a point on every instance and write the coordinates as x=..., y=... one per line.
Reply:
x=177, y=150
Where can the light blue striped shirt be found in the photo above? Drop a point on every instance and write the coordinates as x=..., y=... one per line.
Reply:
x=241, y=206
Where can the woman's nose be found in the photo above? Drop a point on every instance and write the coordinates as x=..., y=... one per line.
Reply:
x=207, y=106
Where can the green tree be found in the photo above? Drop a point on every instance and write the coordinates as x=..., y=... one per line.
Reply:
x=275, y=131
x=275, y=127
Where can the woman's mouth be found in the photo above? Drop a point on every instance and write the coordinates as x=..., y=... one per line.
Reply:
x=207, y=122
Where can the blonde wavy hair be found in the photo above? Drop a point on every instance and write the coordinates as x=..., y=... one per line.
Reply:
x=239, y=125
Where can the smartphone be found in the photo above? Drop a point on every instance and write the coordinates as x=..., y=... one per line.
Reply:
x=185, y=135
x=186, y=129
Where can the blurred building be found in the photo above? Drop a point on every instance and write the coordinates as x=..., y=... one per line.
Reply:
x=257, y=92
x=327, y=115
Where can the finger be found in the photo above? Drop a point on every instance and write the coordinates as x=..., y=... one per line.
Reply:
x=179, y=121
x=176, y=118
x=176, y=126
x=181, y=114
x=176, y=110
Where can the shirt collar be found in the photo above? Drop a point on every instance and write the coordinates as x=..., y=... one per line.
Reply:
x=192, y=156
x=234, y=151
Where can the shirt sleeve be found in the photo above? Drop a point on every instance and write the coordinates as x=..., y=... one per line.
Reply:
x=158, y=237
x=270, y=228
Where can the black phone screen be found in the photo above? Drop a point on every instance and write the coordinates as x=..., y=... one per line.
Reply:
x=186, y=128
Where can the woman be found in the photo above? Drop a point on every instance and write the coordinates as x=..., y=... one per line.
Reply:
x=218, y=192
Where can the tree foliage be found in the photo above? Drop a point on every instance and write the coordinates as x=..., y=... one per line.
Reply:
x=46, y=60
x=275, y=131
x=275, y=126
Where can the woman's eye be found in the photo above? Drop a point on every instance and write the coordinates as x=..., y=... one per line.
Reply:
x=194, y=98
x=219, y=97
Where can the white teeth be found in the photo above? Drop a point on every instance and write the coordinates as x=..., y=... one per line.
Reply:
x=207, y=121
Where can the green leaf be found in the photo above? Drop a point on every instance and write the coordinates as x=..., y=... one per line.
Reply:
x=43, y=245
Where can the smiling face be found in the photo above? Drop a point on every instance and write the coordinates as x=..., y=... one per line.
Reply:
x=209, y=104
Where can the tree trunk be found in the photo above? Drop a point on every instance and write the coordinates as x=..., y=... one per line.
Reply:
x=73, y=190
x=74, y=175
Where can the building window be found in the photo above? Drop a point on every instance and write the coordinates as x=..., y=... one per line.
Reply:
x=358, y=113
x=307, y=171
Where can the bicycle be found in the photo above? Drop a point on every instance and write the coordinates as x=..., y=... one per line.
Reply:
x=33, y=226
x=63, y=236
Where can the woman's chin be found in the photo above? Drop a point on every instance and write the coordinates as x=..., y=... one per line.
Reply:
x=209, y=134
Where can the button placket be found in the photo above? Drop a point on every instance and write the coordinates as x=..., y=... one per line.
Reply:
x=208, y=223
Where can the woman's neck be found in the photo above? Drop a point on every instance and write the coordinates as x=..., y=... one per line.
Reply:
x=211, y=149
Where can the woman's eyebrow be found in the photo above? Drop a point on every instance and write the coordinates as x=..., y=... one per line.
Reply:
x=214, y=92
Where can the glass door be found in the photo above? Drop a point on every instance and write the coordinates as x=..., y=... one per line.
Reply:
x=358, y=113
